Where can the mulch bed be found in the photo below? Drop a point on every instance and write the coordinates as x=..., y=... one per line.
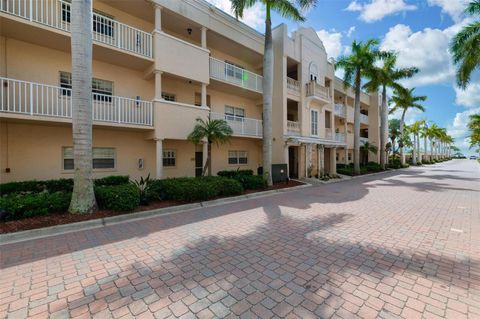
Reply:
x=67, y=218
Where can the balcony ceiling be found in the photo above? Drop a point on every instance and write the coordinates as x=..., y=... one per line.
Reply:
x=142, y=9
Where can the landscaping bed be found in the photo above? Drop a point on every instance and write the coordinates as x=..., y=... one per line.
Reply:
x=37, y=204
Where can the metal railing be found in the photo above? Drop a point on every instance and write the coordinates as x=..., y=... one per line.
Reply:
x=233, y=74
x=340, y=110
x=37, y=99
x=240, y=125
x=293, y=86
x=58, y=13
x=293, y=128
x=317, y=90
x=363, y=118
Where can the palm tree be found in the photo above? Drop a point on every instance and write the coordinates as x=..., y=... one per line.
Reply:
x=465, y=47
x=369, y=148
x=288, y=10
x=211, y=131
x=432, y=134
x=424, y=135
x=356, y=65
x=394, y=132
x=416, y=129
x=83, y=196
x=474, y=127
x=404, y=100
x=383, y=77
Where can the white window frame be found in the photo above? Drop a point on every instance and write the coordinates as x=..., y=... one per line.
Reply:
x=169, y=154
x=236, y=155
x=67, y=154
x=102, y=90
x=233, y=113
x=314, y=124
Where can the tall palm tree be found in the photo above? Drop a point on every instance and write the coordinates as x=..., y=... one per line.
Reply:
x=356, y=65
x=433, y=132
x=415, y=130
x=212, y=131
x=404, y=100
x=394, y=132
x=465, y=47
x=288, y=10
x=83, y=196
x=424, y=135
x=369, y=148
x=474, y=127
x=382, y=77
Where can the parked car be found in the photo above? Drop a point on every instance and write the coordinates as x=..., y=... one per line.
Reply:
x=473, y=157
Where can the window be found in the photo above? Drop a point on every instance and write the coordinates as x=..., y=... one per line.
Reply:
x=66, y=13
x=349, y=156
x=234, y=113
x=337, y=156
x=102, y=23
x=168, y=97
x=237, y=157
x=328, y=123
x=102, y=89
x=314, y=119
x=313, y=71
x=103, y=158
x=169, y=158
x=198, y=99
x=233, y=70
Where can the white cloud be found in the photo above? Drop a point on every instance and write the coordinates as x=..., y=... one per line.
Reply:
x=376, y=10
x=350, y=31
x=411, y=116
x=253, y=17
x=459, y=131
x=470, y=97
x=332, y=41
x=454, y=8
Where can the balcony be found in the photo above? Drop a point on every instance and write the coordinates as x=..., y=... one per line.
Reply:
x=293, y=87
x=229, y=73
x=41, y=100
x=318, y=91
x=293, y=128
x=340, y=137
x=363, y=140
x=340, y=110
x=363, y=119
x=56, y=14
x=328, y=134
x=241, y=126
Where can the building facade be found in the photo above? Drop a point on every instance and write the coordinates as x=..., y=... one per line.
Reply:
x=157, y=66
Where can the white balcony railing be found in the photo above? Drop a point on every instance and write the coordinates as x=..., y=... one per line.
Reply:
x=340, y=137
x=328, y=134
x=241, y=125
x=36, y=99
x=57, y=14
x=230, y=73
x=293, y=128
x=340, y=110
x=317, y=90
x=363, y=140
x=293, y=86
x=363, y=118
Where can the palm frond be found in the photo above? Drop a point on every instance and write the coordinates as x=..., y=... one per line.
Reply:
x=287, y=10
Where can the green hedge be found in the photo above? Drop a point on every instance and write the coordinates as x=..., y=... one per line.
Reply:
x=55, y=185
x=252, y=182
x=19, y=206
x=123, y=197
x=235, y=173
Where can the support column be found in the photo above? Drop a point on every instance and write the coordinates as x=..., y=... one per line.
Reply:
x=158, y=18
x=286, y=159
x=204, y=95
x=158, y=85
x=333, y=161
x=319, y=165
x=322, y=159
x=308, y=161
x=204, y=37
x=159, y=158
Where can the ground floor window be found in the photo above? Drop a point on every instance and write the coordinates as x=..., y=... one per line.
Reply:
x=169, y=158
x=237, y=157
x=103, y=158
x=349, y=156
x=168, y=97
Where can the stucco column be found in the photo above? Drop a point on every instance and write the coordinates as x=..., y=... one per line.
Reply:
x=159, y=158
x=308, y=158
x=204, y=95
x=333, y=161
x=204, y=37
x=158, y=85
x=158, y=18
x=322, y=158
x=286, y=159
x=319, y=162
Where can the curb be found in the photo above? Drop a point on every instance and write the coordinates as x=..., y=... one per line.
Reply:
x=38, y=233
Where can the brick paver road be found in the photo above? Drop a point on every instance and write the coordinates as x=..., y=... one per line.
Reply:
x=399, y=245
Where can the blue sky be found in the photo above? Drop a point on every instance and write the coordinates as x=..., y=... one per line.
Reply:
x=419, y=30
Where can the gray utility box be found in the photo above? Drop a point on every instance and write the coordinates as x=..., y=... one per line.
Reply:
x=279, y=172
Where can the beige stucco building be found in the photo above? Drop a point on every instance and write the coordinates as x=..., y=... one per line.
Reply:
x=157, y=66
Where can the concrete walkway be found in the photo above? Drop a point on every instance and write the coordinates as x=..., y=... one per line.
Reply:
x=404, y=244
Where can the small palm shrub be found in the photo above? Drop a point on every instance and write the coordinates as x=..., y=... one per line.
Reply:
x=123, y=197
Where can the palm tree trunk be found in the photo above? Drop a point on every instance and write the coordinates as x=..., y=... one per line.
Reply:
x=425, y=147
x=83, y=196
x=414, y=150
x=267, y=84
x=383, y=129
x=418, y=149
x=402, y=128
x=208, y=164
x=356, y=125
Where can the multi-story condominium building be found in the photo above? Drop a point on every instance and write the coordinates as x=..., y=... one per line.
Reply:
x=157, y=66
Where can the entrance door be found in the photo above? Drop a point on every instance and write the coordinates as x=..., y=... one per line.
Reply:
x=293, y=162
x=198, y=163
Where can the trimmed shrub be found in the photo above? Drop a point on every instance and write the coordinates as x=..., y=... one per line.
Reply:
x=252, y=182
x=19, y=206
x=373, y=167
x=124, y=197
x=235, y=173
x=395, y=163
x=112, y=180
x=229, y=187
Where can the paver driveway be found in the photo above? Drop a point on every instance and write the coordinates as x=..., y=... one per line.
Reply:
x=403, y=244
